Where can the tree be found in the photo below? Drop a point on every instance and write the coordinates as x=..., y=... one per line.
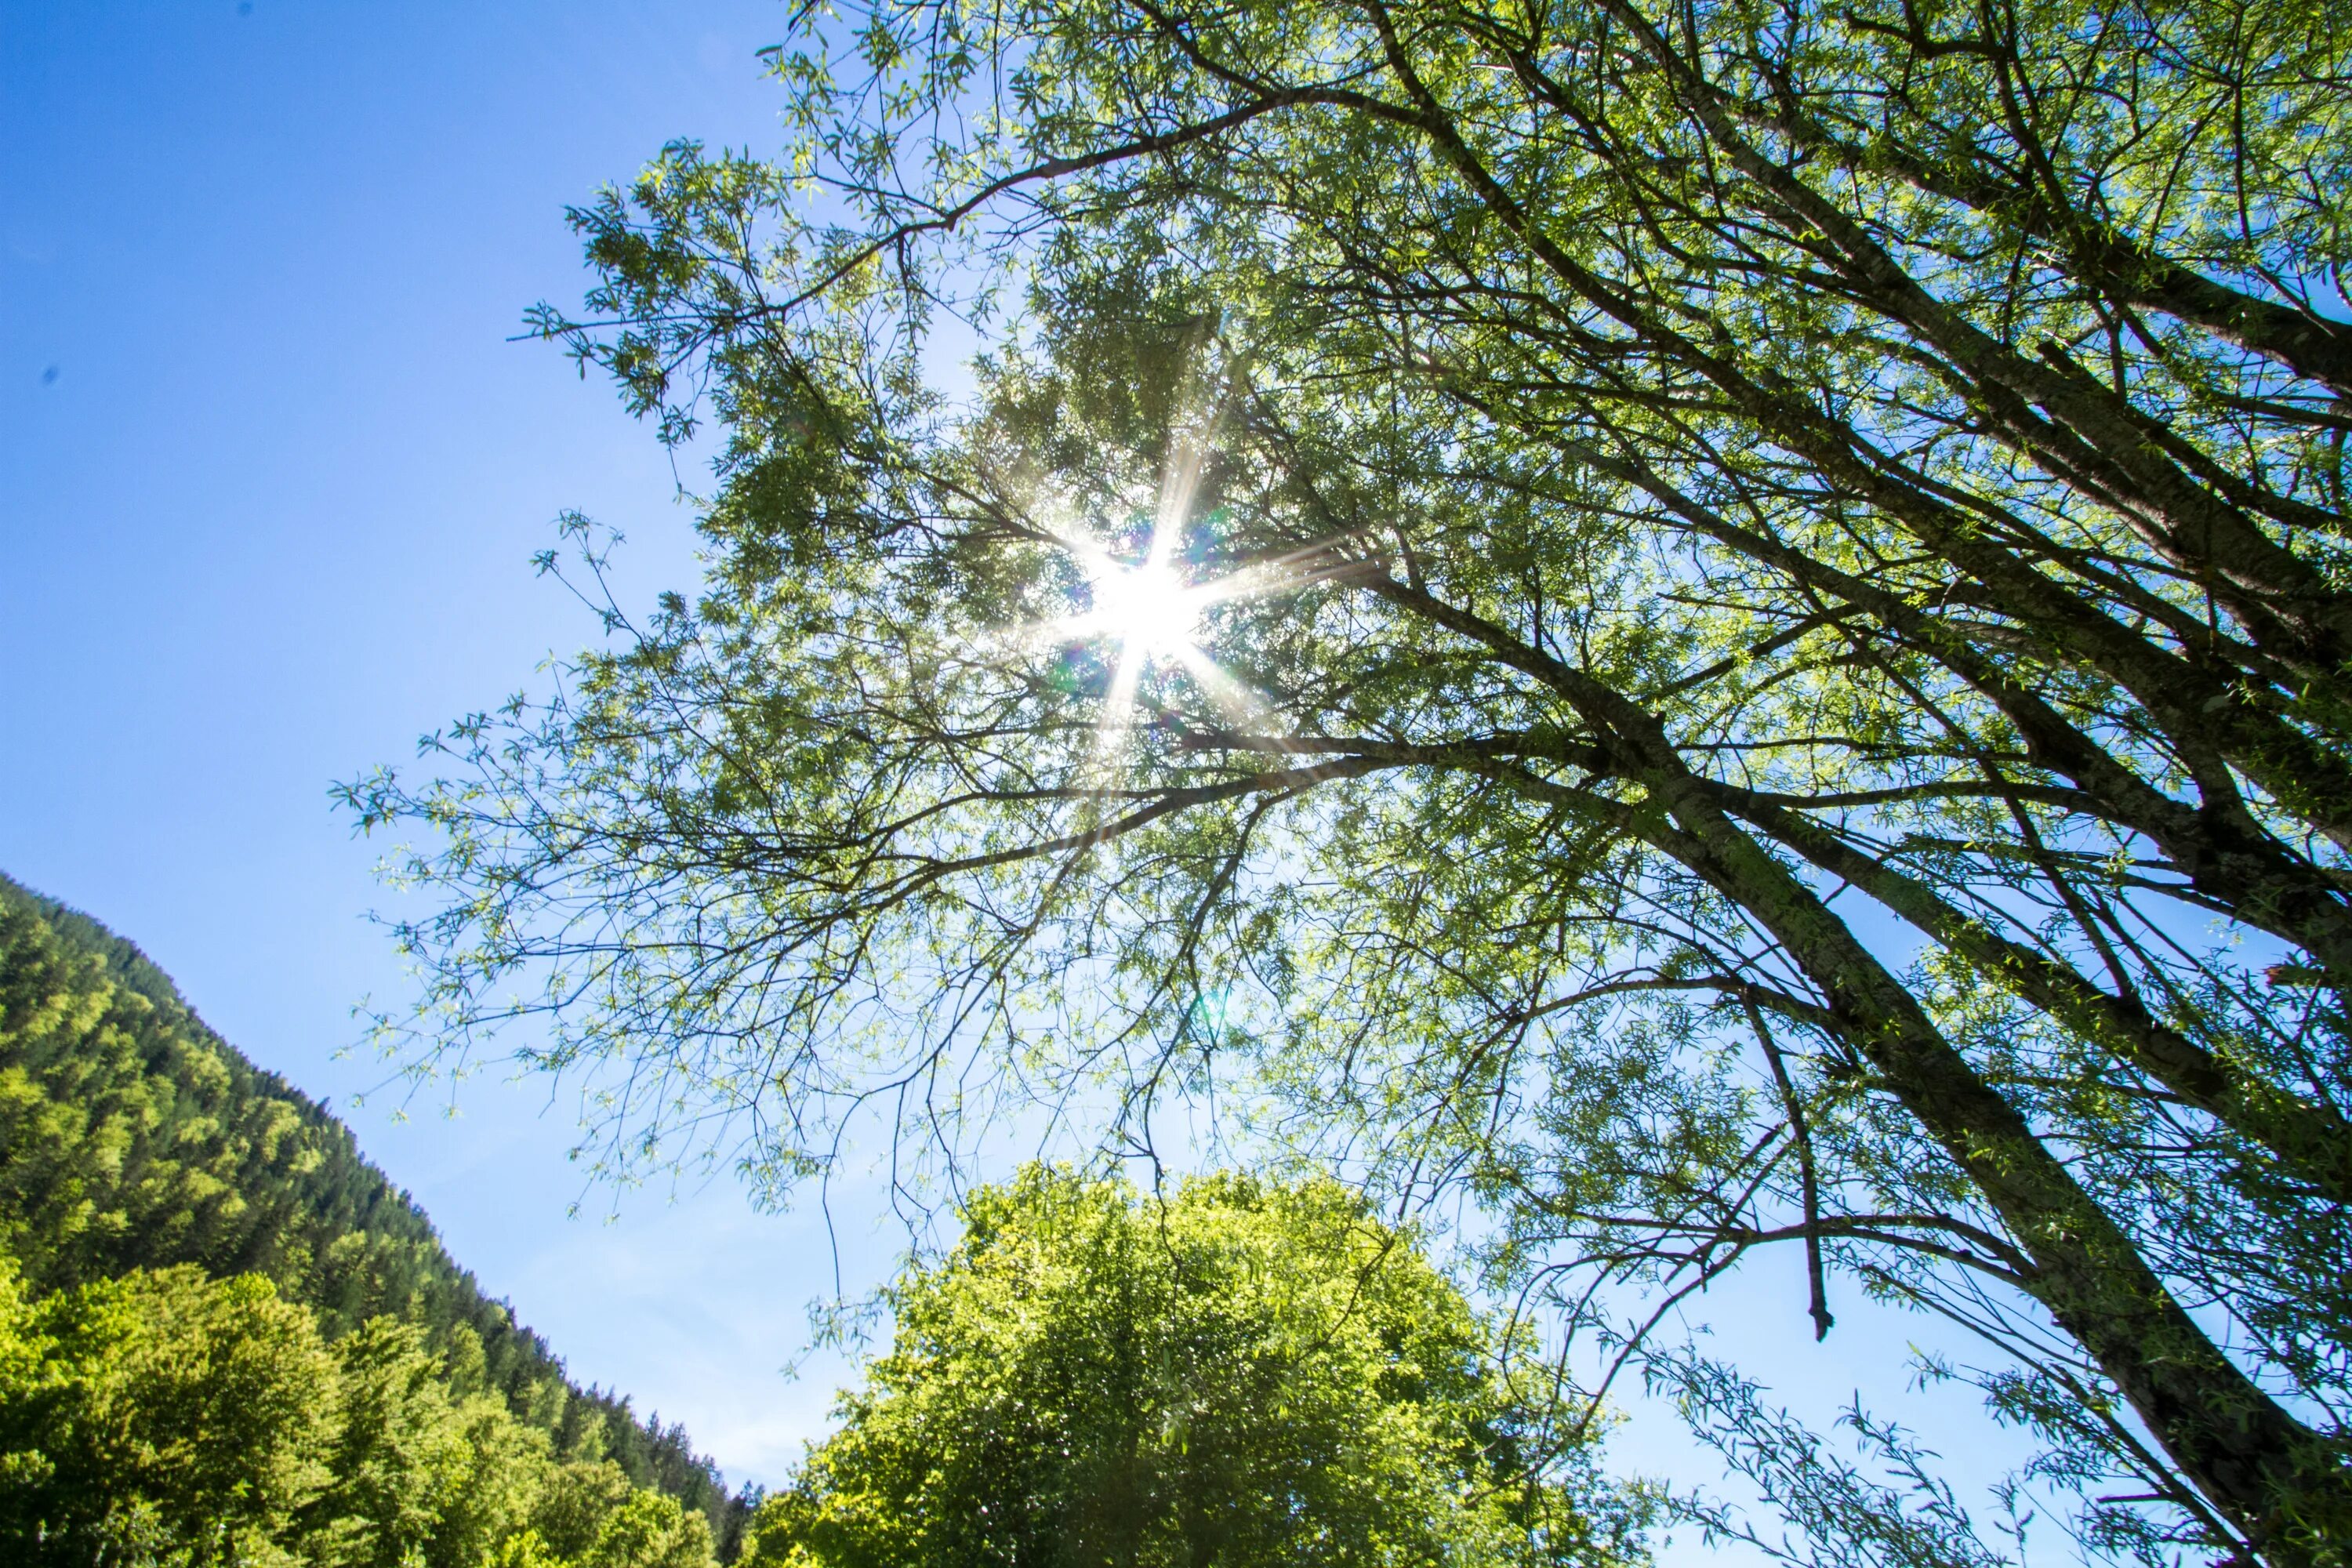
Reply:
x=589, y=1516
x=1240, y=1374
x=419, y=1476
x=1723, y=621
x=161, y=1417
x=165, y=1420
x=131, y=1136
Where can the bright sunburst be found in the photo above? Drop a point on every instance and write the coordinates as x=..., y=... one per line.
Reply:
x=1155, y=613
x=1150, y=609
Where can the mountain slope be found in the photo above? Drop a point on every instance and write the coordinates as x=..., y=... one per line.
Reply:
x=133, y=1137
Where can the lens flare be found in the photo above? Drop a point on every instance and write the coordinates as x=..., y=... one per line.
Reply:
x=1148, y=608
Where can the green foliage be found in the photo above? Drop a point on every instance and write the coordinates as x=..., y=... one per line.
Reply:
x=409, y=1466
x=164, y=1418
x=225, y=1338
x=132, y=1137
x=590, y=1517
x=1773, y=619
x=1243, y=1373
x=161, y=1416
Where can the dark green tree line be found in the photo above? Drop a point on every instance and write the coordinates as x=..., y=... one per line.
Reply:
x=1763, y=666
x=163, y=1419
x=133, y=1137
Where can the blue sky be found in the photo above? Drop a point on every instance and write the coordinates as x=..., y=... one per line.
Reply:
x=271, y=477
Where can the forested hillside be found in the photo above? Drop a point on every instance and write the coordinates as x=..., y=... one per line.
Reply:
x=135, y=1142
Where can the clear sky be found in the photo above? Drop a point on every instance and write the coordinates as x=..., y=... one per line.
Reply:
x=270, y=475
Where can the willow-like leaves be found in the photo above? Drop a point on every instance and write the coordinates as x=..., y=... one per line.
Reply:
x=1793, y=696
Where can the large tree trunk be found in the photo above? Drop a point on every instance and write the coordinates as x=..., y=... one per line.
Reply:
x=2271, y=1476
x=2262, y=1469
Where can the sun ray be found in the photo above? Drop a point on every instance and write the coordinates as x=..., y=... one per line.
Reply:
x=1156, y=614
x=1242, y=707
x=1118, y=702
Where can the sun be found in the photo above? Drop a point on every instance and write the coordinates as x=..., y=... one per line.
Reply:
x=1150, y=609
x=1152, y=613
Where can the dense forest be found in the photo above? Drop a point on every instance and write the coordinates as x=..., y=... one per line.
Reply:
x=169, y=1213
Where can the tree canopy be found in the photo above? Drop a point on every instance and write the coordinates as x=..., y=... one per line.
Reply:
x=226, y=1338
x=165, y=1420
x=160, y=1412
x=1240, y=1374
x=132, y=1137
x=1721, y=622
